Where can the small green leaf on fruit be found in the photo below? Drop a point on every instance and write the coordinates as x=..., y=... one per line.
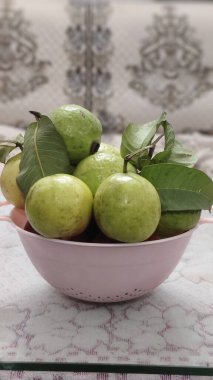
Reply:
x=19, y=140
x=7, y=146
x=5, y=150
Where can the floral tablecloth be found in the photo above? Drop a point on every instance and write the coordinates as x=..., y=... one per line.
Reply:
x=173, y=325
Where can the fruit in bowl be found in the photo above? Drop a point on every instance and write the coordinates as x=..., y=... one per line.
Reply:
x=9, y=186
x=80, y=129
x=108, y=148
x=100, y=236
x=127, y=207
x=59, y=206
x=175, y=222
x=95, y=168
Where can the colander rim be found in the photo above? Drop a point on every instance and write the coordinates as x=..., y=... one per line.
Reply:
x=106, y=245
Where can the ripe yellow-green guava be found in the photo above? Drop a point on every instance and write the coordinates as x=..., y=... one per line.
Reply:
x=59, y=206
x=176, y=222
x=108, y=148
x=80, y=129
x=9, y=186
x=127, y=207
x=94, y=169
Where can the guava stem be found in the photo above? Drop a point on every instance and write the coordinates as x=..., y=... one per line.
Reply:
x=129, y=156
x=125, y=165
x=94, y=147
x=20, y=146
x=151, y=148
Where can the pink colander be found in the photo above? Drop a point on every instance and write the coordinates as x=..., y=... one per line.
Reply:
x=101, y=272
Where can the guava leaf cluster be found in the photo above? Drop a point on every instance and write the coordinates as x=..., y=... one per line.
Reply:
x=136, y=137
x=171, y=170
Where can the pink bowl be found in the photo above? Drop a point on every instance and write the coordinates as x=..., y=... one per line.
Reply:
x=101, y=272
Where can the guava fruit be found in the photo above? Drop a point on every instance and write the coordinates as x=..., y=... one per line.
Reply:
x=95, y=168
x=9, y=186
x=80, y=130
x=59, y=206
x=127, y=207
x=108, y=148
x=176, y=222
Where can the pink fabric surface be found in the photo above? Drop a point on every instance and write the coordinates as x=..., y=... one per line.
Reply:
x=173, y=325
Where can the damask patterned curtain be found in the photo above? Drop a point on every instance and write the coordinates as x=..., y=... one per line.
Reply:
x=126, y=60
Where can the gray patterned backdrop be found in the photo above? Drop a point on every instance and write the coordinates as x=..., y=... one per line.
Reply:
x=126, y=60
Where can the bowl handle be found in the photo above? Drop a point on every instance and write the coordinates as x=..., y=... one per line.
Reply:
x=5, y=218
x=206, y=220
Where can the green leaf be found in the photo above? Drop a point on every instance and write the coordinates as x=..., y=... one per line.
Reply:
x=44, y=153
x=5, y=149
x=7, y=146
x=137, y=136
x=182, y=156
x=138, y=142
x=19, y=140
x=169, y=144
x=180, y=188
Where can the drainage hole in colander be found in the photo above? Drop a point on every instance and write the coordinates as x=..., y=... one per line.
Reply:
x=99, y=298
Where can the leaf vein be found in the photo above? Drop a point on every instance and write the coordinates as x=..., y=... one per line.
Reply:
x=36, y=150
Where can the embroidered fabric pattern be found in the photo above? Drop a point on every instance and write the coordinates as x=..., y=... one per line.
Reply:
x=21, y=71
x=171, y=73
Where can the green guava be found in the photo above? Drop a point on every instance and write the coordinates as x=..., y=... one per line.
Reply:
x=108, y=148
x=80, y=130
x=94, y=169
x=59, y=206
x=176, y=222
x=9, y=186
x=127, y=207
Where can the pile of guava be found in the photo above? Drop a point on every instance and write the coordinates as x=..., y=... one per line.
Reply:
x=74, y=186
